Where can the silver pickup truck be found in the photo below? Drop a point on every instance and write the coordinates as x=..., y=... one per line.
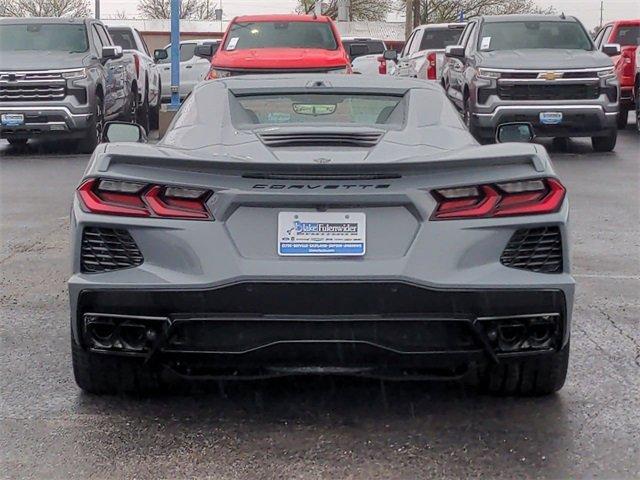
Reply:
x=60, y=78
x=540, y=69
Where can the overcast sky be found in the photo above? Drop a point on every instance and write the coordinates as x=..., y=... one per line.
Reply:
x=587, y=10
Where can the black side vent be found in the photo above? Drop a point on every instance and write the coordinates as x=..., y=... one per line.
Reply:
x=535, y=249
x=106, y=249
x=321, y=139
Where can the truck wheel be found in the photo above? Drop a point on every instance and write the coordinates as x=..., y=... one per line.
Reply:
x=142, y=116
x=638, y=110
x=605, y=144
x=107, y=374
x=93, y=133
x=623, y=117
x=527, y=377
x=154, y=117
x=131, y=110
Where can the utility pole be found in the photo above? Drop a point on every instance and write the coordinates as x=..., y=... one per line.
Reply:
x=416, y=13
x=175, y=55
x=98, y=10
x=317, y=8
x=408, y=18
x=601, y=11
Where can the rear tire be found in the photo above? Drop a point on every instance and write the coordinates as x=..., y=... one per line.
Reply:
x=605, y=144
x=17, y=142
x=154, y=115
x=109, y=374
x=142, y=116
x=622, y=119
x=531, y=376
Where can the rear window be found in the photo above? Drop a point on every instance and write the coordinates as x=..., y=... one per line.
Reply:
x=374, y=47
x=305, y=109
x=123, y=38
x=441, y=38
x=247, y=35
x=628, y=35
x=70, y=38
x=533, y=34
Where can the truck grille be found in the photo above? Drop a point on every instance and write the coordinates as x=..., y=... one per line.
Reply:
x=18, y=92
x=535, y=249
x=548, y=92
x=106, y=249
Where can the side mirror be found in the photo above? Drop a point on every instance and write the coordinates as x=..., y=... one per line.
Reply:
x=454, y=51
x=515, y=132
x=160, y=54
x=123, y=132
x=390, y=55
x=204, y=51
x=357, y=50
x=111, y=52
x=611, y=49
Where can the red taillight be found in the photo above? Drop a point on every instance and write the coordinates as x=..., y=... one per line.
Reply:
x=526, y=197
x=628, y=60
x=136, y=60
x=431, y=66
x=382, y=66
x=123, y=198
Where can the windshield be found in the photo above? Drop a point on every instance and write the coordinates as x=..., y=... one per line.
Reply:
x=123, y=38
x=319, y=108
x=246, y=35
x=43, y=37
x=533, y=34
x=441, y=38
x=374, y=47
x=628, y=35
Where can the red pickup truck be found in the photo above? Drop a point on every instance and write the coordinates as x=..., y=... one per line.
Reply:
x=626, y=33
x=279, y=43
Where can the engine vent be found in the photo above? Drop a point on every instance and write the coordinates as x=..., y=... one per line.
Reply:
x=106, y=249
x=321, y=139
x=535, y=249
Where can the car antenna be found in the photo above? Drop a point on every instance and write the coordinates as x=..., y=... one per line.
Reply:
x=562, y=16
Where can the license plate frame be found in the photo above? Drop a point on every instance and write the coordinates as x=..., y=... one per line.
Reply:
x=321, y=234
x=551, y=118
x=12, y=119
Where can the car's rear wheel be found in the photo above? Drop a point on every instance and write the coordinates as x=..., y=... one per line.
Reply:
x=108, y=374
x=623, y=116
x=605, y=144
x=531, y=376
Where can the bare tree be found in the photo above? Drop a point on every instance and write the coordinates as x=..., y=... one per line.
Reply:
x=189, y=9
x=118, y=15
x=359, y=9
x=443, y=11
x=45, y=8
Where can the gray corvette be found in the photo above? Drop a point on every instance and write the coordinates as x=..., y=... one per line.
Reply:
x=320, y=224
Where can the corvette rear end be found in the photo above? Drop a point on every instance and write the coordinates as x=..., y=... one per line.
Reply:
x=393, y=248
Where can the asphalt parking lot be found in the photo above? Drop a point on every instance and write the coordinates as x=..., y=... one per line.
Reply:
x=320, y=427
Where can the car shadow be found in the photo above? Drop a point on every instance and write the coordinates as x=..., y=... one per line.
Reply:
x=39, y=148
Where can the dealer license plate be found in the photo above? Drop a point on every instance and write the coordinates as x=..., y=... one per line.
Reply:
x=550, y=118
x=321, y=234
x=12, y=119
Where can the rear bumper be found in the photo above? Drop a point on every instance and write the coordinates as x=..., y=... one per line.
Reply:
x=46, y=120
x=385, y=328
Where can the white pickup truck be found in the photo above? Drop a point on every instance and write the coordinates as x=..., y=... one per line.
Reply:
x=146, y=78
x=423, y=54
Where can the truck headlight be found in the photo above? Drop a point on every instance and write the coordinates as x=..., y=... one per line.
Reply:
x=607, y=73
x=486, y=73
x=75, y=74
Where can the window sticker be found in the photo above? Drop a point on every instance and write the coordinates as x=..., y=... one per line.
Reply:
x=486, y=43
x=232, y=43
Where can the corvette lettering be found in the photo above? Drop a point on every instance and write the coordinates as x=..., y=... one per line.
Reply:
x=279, y=186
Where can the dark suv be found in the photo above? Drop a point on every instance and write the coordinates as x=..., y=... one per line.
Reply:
x=540, y=69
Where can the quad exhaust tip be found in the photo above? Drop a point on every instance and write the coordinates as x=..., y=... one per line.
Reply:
x=125, y=333
x=522, y=332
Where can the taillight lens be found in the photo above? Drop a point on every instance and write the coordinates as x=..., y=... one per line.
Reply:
x=628, y=59
x=431, y=66
x=136, y=60
x=133, y=199
x=382, y=66
x=526, y=197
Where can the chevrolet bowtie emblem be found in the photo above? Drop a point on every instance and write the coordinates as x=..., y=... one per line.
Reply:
x=550, y=75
